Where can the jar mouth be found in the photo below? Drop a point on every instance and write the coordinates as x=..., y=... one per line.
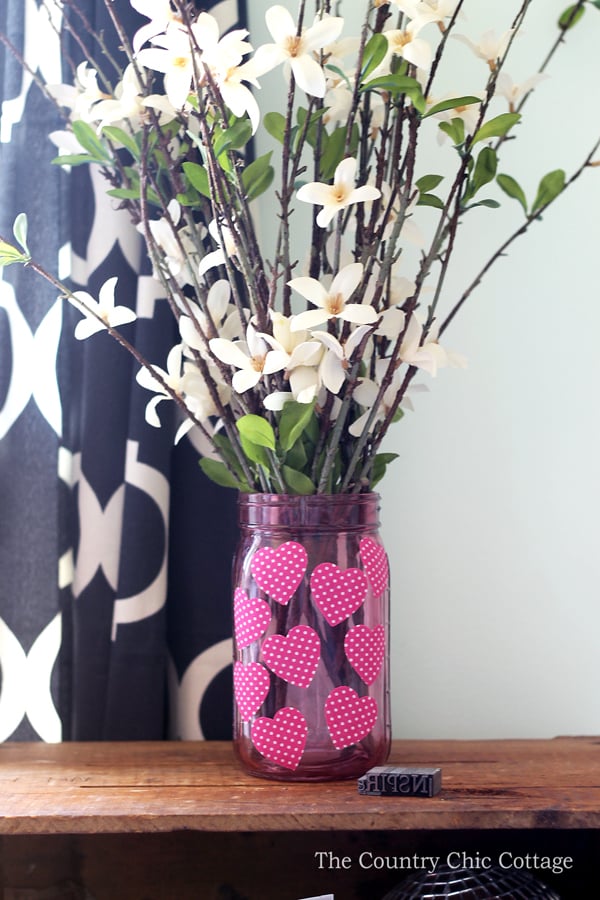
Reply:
x=337, y=512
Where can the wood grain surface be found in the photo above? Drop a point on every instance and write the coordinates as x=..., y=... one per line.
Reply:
x=109, y=788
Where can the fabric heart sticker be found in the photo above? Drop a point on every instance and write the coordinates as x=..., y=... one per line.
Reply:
x=338, y=592
x=349, y=717
x=251, y=685
x=281, y=739
x=365, y=649
x=295, y=656
x=375, y=562
x=279, y=571
x=251, y=617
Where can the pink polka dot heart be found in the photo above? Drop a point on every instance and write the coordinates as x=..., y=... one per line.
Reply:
x=349, y=717
x=365, y=649
x=279, y=572
x=251, y=616
x=295, y=656
x=251, y=685
x=375, y=562
x=281, y=739
x=338, y=592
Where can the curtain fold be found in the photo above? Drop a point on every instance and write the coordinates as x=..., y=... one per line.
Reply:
x=114, y=548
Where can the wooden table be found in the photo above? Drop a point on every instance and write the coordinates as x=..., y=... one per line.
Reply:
x=147, y=821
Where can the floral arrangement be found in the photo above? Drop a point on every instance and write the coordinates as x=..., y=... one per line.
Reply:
x=293, y=363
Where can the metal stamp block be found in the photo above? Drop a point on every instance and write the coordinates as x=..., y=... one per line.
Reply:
x=399, y=781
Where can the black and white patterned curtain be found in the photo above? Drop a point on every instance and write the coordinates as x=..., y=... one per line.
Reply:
x=114, y=549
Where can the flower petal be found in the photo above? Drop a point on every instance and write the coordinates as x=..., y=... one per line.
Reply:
x=359, y=314
x=244, y=380
x=309, y=319
x=86, y=327
x=280, y=23
x=310, y=289
x=315, y=192
x=309, y=75
x=229, y=352
x=347, y=280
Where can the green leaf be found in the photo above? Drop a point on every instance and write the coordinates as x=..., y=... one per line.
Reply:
x=455, y=103
x=258, y=175
x=455, y=129
x=234, y=137
x=220, y=474
x=430, y=200
x=375, y=50
x=293, y=421
x=297, y=457
x=20, y=231
x=491, y=204
x=255, y=452
x=496, y=127
x=274, y=124
x=297, y=482
x=90, y=142
x=75, y=159
x=333, y=153
x=595, y=3
x=549, y=188
x=398, y=85
x=483, y=172
x=118, y=136
x=570, y=18
x=197, y=177
x=124, y=193
x=257, y=430
x=428, y=183
x=513, y=189
x=380, y=464
x=10, y=254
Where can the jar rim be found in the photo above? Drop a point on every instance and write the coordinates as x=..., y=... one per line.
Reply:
x=330, y=511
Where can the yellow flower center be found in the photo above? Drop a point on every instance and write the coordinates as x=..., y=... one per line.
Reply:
x=257, y=363
x=180, y=62
x=339, y=193
x=334, y=304
x=293, y=45
x=400, y=40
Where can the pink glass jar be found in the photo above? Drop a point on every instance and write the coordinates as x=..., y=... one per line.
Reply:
x=311, y=637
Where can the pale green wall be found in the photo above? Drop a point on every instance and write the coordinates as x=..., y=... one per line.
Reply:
x=491, y=515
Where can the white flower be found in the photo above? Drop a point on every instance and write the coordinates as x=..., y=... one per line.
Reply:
x=102, y=313
x=297, y=51
x=303, y=358
x=161, y=15
x=506, y=87
x=365, y=394
x=405, y=42
x=172, y=55
x=199, y=398
x=236, y=95
x=127, y=105
x=81, y=96
x=251, y=357
x=196, y=327
x=440, y=9
x=426, y=354
x=219, y=53
x=332, y=303
x=489, y=47
x=172, y=377
x=175, y=245
x=218, y=257
x=337, y=196
x=336, y=360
